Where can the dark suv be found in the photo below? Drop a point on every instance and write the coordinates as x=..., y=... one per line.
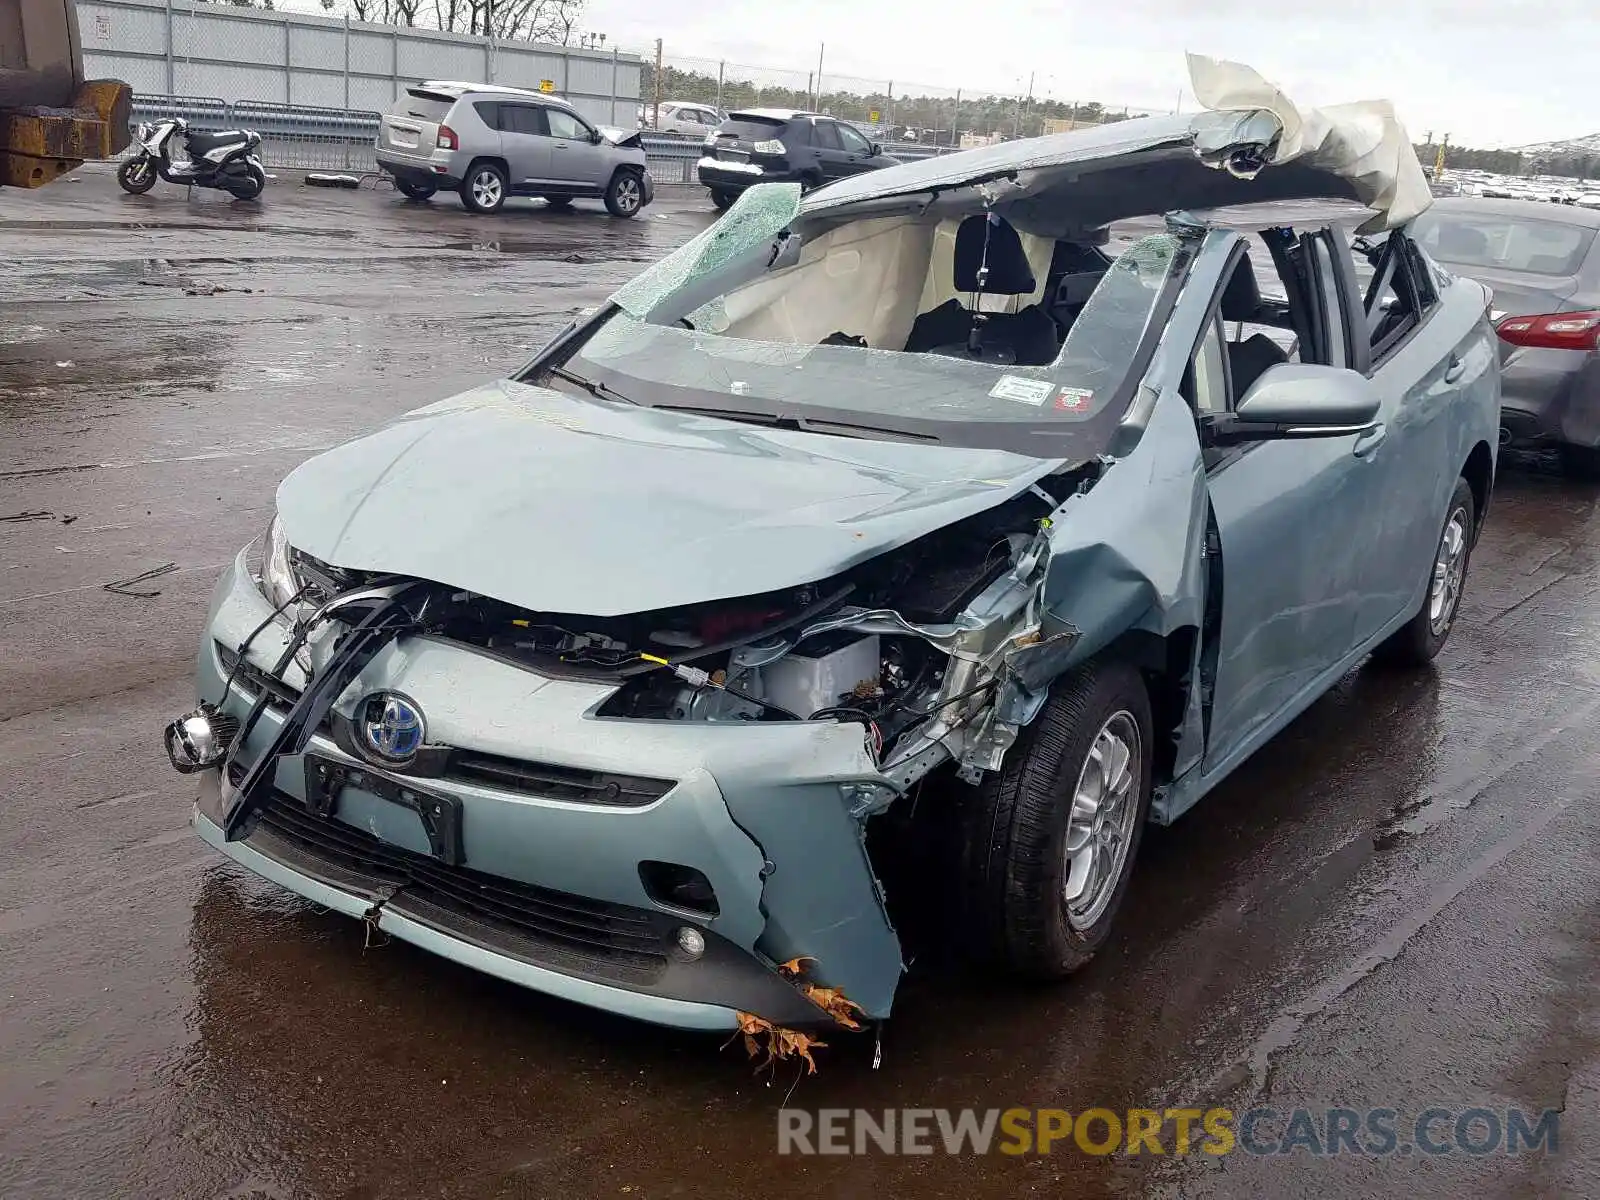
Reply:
x=764, y=145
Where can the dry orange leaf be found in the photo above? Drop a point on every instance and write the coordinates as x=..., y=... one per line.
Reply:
x=792, y=968
x=778, y=1043
x=835, y=1003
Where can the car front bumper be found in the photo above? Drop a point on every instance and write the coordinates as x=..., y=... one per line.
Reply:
x=549, y=893
x=1551, y=396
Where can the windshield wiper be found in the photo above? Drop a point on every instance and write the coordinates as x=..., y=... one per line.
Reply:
x=594, y=387
x=799, y=424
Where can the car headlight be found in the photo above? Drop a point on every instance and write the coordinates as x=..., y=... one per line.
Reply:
x=278, y=583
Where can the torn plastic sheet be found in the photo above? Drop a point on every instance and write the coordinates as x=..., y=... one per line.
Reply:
x=1363, y=143
x=751, y=226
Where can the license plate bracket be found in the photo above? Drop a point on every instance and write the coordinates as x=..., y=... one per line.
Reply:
x=440, y=814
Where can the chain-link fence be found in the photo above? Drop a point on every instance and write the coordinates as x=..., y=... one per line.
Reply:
x=887, y=109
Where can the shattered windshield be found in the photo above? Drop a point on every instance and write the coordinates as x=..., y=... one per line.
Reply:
x=753, y=321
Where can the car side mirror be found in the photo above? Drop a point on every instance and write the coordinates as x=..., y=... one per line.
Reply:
x=1299, y=400
x=875, y=150
x=596, y=136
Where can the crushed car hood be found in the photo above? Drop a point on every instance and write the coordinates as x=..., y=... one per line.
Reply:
x=566, y=505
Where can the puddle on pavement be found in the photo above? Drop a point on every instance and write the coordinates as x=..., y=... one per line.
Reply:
x=162, y=226
x=554, y=251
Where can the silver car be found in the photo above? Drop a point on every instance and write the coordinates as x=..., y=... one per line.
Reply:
x=488, y=143
x=680, y=116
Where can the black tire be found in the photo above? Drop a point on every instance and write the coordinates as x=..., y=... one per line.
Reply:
x=625, y=194
x=1580, y=462
x=722, y=201
x=559, y=203
x=810, y=182
x=484, y=189
x=1015, y=842
x=412, y=190
x=1419, y=640
x=251, y=185
x=138, y=174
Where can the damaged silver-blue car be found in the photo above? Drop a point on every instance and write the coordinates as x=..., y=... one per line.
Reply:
x=596, y=678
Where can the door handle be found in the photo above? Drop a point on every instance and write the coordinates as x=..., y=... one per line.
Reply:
x=1456, y=369
x=1369, y=441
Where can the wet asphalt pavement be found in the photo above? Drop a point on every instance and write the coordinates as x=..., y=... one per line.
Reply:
x=1393, y=905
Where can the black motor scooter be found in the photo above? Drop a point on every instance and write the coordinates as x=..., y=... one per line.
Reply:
x=223, y=160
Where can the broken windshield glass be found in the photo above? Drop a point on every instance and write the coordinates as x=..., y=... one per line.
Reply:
x=839, y=376
x=749, y=228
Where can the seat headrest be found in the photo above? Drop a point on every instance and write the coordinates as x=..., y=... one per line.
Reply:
x=1241, y=299
x=1009, y=273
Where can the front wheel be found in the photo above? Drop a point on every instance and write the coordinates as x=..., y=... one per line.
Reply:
x=137, y=175
x=624, y=194
x=484, y=188
x=1050, y=839
x=251, y=185
x=415, y=191
x=1419, y=640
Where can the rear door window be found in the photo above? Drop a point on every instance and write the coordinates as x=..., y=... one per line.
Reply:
x=1504, y=243
x=1397, y=300
x=522, y=118
x=827, y=134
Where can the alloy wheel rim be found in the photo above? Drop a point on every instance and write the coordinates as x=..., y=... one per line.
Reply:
x=1449, y=568
x=627, y=195
x=1100, y=827
x=486, y=188
x=139, y=171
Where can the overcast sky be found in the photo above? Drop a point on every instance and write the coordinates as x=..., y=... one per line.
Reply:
x=1498, y=73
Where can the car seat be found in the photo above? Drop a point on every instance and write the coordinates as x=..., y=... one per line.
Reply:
x=1251, y=358
x=989, y=260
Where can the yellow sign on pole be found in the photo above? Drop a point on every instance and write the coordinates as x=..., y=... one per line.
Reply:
x=547, y=85
x=873, y=116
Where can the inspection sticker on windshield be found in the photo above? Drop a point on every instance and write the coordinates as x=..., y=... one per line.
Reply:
x=1024, y=391
x=1074, y=399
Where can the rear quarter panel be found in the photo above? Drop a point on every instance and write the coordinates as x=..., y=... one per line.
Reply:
x=1464, y=330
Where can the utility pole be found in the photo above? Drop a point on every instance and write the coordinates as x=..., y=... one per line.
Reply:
x=655, y=120
x=816, y=104
x=1438, y=163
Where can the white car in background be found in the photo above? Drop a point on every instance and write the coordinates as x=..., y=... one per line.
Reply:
x=680, y=116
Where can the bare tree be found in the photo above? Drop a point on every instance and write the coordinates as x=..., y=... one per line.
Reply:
x=509, y=20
